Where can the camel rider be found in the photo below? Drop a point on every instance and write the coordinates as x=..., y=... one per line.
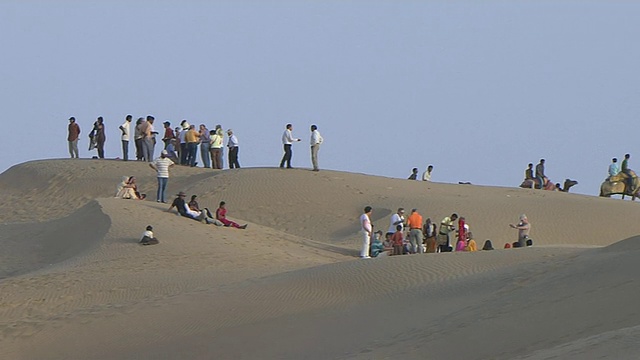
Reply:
x=625, y=170
x=540, y=173
x=528, y=174
x=614, y=168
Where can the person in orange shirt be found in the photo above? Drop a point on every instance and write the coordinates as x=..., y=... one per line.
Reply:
x=414, y=223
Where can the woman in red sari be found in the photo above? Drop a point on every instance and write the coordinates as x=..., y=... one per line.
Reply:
x=221, y=215
x=462, y=235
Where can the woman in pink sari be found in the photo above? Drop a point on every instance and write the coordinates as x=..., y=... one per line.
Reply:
x=221, y=215
x=462, y=235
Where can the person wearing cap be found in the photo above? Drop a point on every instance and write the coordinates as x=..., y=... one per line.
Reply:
x=161, y=165
x=232, y=144
x=287, y=141
x=125, y=128
x=316, y=140
x=217, y=140
x=168, y=134
x=72, y=138
x=414, y=223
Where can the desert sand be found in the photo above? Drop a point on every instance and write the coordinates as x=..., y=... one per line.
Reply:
x=75, y=284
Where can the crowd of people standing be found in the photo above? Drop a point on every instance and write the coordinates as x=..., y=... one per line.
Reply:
x=183, y=142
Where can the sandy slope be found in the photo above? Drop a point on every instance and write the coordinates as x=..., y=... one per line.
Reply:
x=74, y=283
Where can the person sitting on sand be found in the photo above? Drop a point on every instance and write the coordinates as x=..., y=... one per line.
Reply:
x=193, y=205
x=184, y=210
x=388, y=244
x=128, y=189
x=471, y=244
x=147, y=237
x=397, y=239
x=523, y=230
x=377, y=248
x=221, y=215
x=487, y=245
x=125, y=191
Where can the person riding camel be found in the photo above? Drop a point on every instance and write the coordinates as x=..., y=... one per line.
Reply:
x=528, y=173
x=628, y=173
x=614, y=168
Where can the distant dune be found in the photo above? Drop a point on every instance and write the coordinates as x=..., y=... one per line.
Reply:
x=74, y=283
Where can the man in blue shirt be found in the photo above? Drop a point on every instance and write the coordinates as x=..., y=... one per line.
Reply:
x=614, y=169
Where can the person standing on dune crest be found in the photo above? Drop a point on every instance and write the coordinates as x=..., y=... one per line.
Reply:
x=316, y=140
x=287, y=141
x=74, y=134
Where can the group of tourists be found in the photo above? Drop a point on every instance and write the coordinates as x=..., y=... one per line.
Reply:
x=413, y=236
x=183, y=142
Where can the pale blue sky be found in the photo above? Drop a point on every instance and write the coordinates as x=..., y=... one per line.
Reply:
x=477, y=88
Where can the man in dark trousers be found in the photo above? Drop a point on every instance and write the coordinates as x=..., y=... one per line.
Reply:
x=287, y=140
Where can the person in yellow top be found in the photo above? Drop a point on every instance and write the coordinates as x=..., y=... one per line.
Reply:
x=414, y=223
x=192, y=138
x=471, y=244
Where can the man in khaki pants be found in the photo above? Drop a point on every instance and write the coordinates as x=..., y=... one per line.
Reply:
x=316, y=140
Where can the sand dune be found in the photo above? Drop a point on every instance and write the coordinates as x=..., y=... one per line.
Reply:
x=74, y=283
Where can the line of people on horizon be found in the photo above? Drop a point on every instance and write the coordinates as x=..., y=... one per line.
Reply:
x=183, y=142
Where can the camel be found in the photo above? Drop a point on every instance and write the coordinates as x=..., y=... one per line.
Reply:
x=548, y=185
x=617, y=185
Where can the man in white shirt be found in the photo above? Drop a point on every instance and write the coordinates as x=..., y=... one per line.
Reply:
x=161, y=165
x=366, y=228
x=232, y=144
x=126, y=129
x=396, y=219
x=287, y=140
x=316, y=140
x=427, y=174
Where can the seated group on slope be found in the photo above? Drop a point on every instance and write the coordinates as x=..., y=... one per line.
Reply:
x=192, y=210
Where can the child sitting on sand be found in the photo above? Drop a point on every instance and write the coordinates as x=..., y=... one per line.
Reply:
x=388, y=244
x=397, y=239
x=147, y=237
x=376, y=245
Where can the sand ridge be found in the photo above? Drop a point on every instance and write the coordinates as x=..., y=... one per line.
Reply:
x=79, y=286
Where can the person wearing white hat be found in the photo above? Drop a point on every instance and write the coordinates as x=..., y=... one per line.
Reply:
x=161, y=165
